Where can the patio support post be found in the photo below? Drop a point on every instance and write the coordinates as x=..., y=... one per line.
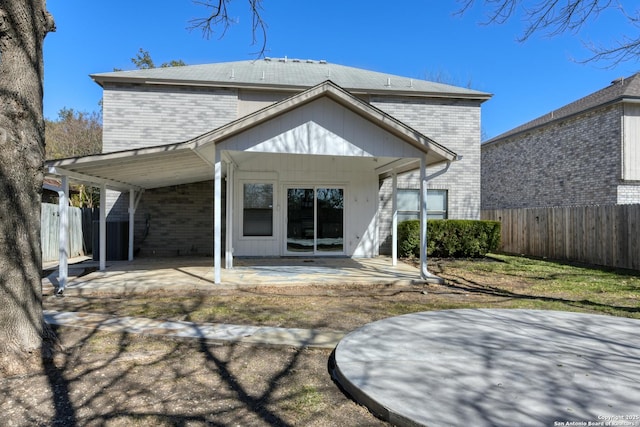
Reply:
x=424, y=273
x=228, y=256
x=132, y=212
x=103, y=227
x=394, y=220
x=63, y=212
x=217, y=219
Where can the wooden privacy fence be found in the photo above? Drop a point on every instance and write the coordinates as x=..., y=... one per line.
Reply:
x=602, y=235
x=50, y=232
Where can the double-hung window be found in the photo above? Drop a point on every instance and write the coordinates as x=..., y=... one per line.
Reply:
x=409, y=204
x=257, y=210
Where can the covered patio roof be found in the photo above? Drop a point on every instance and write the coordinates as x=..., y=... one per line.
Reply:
x=399, y=149
x=192, y=161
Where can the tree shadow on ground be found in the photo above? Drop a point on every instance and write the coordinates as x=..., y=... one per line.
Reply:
x=464, y=284
x=119, y=379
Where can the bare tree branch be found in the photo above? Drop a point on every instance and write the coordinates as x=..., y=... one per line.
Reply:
x=625, y=49
x=558, y=16
x=555, y=17
x=220, y=19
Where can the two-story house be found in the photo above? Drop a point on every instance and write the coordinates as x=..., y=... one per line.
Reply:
x=279, y=157
x=585, y=153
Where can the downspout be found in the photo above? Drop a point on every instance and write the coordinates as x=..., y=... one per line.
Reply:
x=424, y=271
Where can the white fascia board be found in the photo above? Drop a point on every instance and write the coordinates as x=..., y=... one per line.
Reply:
x=398, y=166
x=92, y=180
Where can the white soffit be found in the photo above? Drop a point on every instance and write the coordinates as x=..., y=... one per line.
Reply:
x=144, y=168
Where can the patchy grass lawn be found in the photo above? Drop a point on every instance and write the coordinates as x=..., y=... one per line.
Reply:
x=539, y=284
x=497, y=281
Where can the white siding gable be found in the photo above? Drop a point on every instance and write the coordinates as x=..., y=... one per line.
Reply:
x=631, y=146
x=321, y=127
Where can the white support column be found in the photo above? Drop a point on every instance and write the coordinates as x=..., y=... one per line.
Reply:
x=228, y=256
x=63, y=244
x=132, y=214
x=217, y=219
x=394, y=220
x=103, y=227
x=423, y=219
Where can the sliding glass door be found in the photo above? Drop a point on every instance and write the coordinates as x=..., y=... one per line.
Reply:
x=315, y=220
x=300, y=220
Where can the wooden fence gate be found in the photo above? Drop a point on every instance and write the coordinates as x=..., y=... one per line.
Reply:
x=79, y=231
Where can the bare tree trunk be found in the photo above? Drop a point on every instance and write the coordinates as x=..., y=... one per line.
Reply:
x=23, y=26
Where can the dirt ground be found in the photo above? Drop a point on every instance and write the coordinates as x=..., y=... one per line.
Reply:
x=106, y=379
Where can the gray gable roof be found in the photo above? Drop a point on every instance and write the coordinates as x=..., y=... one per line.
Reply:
x=619, y=90
x=290, y=74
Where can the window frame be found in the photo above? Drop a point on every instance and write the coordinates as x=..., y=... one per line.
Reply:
x=242, y=210
x=408, y=214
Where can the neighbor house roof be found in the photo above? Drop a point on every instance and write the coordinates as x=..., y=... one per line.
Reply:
x=622, y=89
x=289, y=74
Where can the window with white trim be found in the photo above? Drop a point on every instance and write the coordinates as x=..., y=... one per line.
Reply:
x=257, y=210
x=409, y=204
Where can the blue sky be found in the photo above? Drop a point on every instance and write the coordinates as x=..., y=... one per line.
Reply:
x=413, y=38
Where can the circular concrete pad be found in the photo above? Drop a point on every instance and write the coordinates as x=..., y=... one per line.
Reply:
x=495, y=368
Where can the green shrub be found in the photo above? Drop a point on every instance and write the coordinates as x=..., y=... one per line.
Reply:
x=409, y=238
x=449, y=238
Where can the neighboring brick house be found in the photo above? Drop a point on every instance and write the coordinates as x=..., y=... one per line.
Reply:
x=280, y=157
x=585, y=153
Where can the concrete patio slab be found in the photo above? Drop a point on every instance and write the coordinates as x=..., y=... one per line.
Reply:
x=495, y=368
x=147, y=274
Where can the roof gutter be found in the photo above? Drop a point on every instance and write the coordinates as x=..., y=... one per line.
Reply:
x=101, y=80
x=507, y=135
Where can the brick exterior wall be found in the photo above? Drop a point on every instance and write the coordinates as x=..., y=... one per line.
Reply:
x=138, y=116
x=454, y=124
x=570, y=162
x=141, y=116
x=180, y=221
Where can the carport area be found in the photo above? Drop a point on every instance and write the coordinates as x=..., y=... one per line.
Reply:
x=298, y=178
x=195, y=273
